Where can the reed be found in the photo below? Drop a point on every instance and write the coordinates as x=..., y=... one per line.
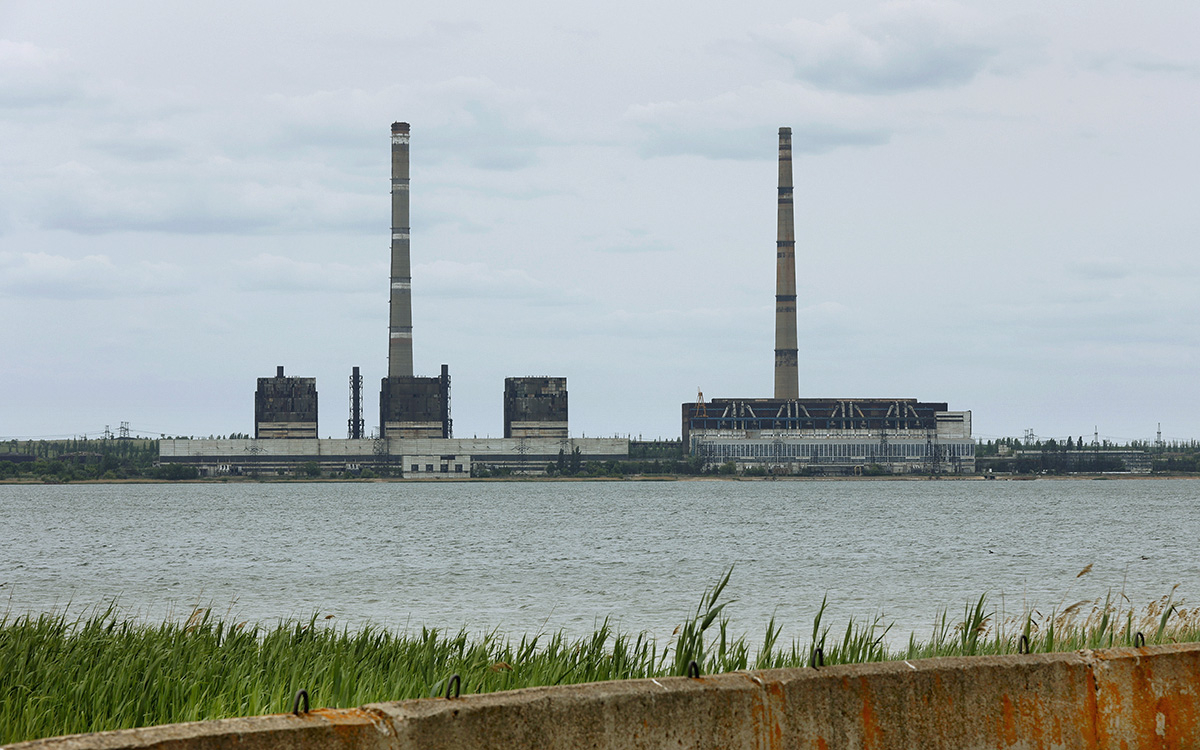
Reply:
x=104, y=671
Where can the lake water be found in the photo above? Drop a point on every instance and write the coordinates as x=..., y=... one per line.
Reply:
x=527, y=557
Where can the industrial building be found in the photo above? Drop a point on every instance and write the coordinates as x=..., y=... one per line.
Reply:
x=792, y=435
x=409, y=406
x=535, y=407
x=415, y=434
x=831, y=435
x=412, y=458
x=285, y=407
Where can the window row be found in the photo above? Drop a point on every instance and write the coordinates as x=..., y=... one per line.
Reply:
x=837, y=450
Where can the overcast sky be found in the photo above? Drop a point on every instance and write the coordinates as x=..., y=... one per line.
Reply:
x=997, y=206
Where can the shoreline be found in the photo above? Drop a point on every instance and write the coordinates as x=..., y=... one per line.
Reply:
x=631, y=478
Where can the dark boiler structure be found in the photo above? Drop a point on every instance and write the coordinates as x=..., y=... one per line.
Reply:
x=415, y=407
x=285, y=407
x=535, y=407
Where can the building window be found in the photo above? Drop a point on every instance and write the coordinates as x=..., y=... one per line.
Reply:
x=429, y=467
x=445, y=468
x=416, y=467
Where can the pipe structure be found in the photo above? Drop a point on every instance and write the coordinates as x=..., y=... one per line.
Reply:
x=356, y=418
x=400, y=345
x=787, y=374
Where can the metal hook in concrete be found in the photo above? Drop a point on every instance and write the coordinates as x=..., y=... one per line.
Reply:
x=300, y=694
x=456, y=682
x=1023, y=644
x=693, y=669
x=818, y=655
x=1139, y=640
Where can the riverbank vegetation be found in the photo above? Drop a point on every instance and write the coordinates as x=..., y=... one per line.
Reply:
x=122, y=458
x=105, y=671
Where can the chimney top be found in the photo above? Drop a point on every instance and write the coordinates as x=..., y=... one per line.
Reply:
x=399, y=127
x=785, y=131
x=279, y=371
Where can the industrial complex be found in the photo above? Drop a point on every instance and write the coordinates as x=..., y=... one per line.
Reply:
x=415, y=434
x=792, y=435
x=414, y=438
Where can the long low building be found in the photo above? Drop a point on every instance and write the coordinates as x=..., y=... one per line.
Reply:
x=831, y=436
x=407, y=457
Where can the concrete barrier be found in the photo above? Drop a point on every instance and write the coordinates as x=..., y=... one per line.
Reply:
x=1119, y=698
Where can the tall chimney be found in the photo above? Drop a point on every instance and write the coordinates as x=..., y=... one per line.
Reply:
x=787, y=374
x=400, y=351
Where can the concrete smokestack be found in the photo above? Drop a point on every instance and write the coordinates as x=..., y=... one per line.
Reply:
x=787, y=373
x=400, y=346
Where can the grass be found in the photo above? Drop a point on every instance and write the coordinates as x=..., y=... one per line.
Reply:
x=102, y=671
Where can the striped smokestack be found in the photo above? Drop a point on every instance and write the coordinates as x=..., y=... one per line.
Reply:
x=400, y=348
x=787, y=374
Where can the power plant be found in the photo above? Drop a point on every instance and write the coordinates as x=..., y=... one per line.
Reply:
x=414, y=437
x=790, y=435
x=784, y=434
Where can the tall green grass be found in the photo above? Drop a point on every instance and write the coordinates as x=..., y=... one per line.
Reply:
x=104, y=671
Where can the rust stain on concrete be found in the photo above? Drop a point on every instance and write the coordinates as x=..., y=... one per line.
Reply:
x=872, y=736
x=1008, y=721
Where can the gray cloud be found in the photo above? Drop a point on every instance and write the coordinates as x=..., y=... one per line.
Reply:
x=731, y=125
x=901, y=47
x=33, y=77
x=267, y=272
x=45, y=276
x=1147, y=63
x=746, y=144
x=476, y=281
x=1099, y=269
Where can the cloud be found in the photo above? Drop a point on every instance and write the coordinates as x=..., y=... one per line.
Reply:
x=1147, y=63
x=44, y=276
x=199, y=194
x=731, y=125
x=471, y=120
x=34, y=77
x=487, y=126
x=902, y=46
x=1099, y=269
x=150, y=161
x=475, y=281
x=266, y=272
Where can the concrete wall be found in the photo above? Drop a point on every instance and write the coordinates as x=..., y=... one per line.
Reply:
x=1121, y=698
x=529, y=455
